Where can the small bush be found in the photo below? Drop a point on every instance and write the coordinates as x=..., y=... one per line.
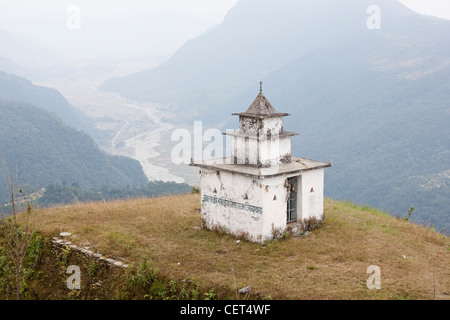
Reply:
x=311, y=224
x=210, y=295
x=143, y=275
x=195, y=190
x=408, y=215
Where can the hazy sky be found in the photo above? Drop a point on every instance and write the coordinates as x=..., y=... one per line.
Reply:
x=213, y=10
x=438, y=8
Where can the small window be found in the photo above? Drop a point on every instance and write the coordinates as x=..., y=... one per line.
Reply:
x=312, y=190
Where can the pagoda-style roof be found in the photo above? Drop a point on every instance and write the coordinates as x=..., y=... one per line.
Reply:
x=261, y=108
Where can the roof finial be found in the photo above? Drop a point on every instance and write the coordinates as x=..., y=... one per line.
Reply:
x=260, y=87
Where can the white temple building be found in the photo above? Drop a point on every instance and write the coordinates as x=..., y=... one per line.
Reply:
x=261, y=191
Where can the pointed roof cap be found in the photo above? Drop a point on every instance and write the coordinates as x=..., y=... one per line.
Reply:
x=261, y=108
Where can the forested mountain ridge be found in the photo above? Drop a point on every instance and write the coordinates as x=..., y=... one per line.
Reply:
x=15, y=88
x=46, y=151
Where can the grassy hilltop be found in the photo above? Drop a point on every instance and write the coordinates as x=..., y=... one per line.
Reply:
x=329, y=263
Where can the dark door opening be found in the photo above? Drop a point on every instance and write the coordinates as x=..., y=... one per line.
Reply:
x=292, y=200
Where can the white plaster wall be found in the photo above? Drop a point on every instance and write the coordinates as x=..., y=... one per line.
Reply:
x=271, y=150
x=249, y=125
x=275, y=206
x=236, y=188
x=253, y=125
x=245, y=150
x=253, y=152
x=239, y=149
x=233, y=147
x=273, y=125
x=271, y=194
x=312, y=203
x=267, y=151
x=285, y=146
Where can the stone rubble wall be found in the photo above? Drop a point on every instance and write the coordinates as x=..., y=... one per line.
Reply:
x=63, y=243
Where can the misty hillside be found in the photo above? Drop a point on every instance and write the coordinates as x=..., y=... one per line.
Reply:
x=9, y=66
x=257, y=38
x=16, y=88
x=22, y=49
x=46, y=151
x=374, y=101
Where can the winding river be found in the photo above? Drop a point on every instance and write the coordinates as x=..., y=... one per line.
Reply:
x=134, y=129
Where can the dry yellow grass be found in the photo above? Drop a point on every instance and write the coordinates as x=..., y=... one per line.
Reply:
x=330, y=263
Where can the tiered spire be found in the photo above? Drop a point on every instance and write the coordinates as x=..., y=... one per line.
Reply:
x=261, y=108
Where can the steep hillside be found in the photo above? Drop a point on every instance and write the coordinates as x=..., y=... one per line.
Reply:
x=9, y=66
x=374, y=101
x=46, y=151
x=16, y=88
x=259, y=37
x=329, y=263
x=389, y=145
